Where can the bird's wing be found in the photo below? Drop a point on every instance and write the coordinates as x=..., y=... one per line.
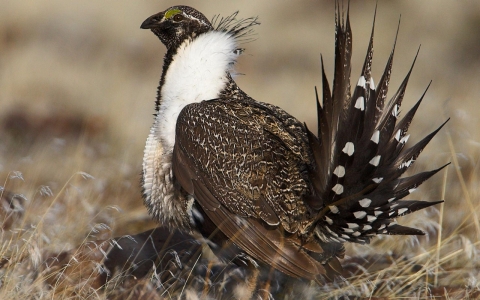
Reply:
x=247, y=159
x=244, y=170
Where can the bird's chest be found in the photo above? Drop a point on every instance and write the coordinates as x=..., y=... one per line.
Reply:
x=198, y=71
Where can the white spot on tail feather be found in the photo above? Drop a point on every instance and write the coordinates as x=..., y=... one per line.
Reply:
x=349, y=148
x=404, y=139
x=376, y=137
x=401, y=211
x=339, y=171
x=365, y=202
x=329, y=221
x=371, y=218
x=360, y=104
x=395, y=110
x=372, y=84
x=338, y=189
x=375, y=161
x=366, y=227
x=361, y=82
x=359, y=214
x=333, y=209
x=397, y=135
x=377, y=179
x=406, y=164
x=352, y=225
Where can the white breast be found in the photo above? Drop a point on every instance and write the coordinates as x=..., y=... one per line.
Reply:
x=198, y=72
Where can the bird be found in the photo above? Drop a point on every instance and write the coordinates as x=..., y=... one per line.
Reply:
x=263, y=189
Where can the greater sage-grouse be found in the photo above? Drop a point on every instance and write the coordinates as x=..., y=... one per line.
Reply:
x=253, y=179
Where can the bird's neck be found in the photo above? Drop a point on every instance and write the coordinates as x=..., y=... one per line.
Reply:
x=197, y=70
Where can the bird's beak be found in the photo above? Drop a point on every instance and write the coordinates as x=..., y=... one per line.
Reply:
x=152, y=21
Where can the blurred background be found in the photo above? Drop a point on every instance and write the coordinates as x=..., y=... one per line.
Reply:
x=78, y=81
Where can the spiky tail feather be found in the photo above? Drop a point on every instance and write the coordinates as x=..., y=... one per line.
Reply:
x=359, y=151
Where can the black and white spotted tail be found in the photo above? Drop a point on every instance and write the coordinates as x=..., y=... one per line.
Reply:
x=360, y=152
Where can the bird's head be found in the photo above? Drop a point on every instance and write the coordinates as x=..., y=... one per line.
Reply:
x=176, y=24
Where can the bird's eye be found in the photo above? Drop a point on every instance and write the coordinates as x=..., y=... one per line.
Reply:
x=178, y=17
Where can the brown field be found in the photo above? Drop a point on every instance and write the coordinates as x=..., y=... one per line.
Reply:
x=77, y=87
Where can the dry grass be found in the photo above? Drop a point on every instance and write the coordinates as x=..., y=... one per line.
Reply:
x=77, y=83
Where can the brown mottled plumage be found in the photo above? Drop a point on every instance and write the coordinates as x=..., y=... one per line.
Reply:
x=252, y=178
